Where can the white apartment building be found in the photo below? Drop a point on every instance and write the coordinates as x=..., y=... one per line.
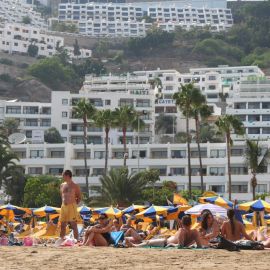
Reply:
x=16, y=38
x=250, y=101
x=102, y=19
x=13, y=11
x=106, y=92
x=169, y=159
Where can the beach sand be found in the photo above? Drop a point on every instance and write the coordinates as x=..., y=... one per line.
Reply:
x=80, y=258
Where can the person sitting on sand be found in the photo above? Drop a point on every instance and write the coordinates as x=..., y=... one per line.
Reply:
x=116, y=225
x=184, y=237
x=262, y=237
x=127, y=225
x=99, y=235
x=233, y=229
x=209, y=228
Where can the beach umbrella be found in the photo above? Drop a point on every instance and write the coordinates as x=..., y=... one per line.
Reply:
x=84, y=210
x=157, y=210
x=43, y=211
x=109, y=211
x=217, y=200
x=251, y=215
x=215, y=210
x=10, y=210
x=133, y=208
x=257, y=206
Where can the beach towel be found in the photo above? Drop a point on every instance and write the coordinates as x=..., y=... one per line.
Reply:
x=116, y=237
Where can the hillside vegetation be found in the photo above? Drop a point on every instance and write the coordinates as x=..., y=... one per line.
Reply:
x=246, y=43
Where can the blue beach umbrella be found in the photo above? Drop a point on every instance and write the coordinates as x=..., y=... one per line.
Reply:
x=220, y=201
x=133, y=208
x=109, y=211
x=257, y=206
x=84, y=210
x=43, y=211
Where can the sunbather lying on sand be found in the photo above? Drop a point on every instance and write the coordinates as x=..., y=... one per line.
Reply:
x=184, y=237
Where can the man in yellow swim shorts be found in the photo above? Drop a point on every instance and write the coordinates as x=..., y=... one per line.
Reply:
x=71, y=197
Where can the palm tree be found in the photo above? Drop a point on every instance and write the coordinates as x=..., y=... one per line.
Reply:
x=164, y=124
x=256, y=158
x=105, y=118
x=200, y=110
x=226, y=125
x=120, y=188
x=126, y=117
x=183, y=100
x=84, y=110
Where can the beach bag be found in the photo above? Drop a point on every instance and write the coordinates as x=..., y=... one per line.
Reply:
x=249, y=245
x=3, y=241
x=221, y=243
x=28, y=241
x=68, y=242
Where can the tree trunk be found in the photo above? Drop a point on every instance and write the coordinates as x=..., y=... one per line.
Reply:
x=198, y=140
x=106, y=149
x=125, y=146
x=228, y=139
x=85, y=154
x=189, y=165
x=254, y=185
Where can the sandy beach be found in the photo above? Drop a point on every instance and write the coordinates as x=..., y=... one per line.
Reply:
x=49, y=258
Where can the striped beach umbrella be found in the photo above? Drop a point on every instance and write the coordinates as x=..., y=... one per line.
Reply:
x=215, y=210
x=84, y=210
x=133, y=208
x=157, y=210
x=257, y=206
x=217, y=200
x=8, y=209
x=109, y=211
x=43, y=211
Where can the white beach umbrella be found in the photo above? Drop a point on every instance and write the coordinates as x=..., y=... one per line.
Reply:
x=215, y=210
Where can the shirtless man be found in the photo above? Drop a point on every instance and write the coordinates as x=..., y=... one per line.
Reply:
x=184, y=237
x=71, y=197
x=233, y=229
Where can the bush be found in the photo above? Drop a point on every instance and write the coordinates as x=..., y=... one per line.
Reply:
x=6, y=61
x=5, y=77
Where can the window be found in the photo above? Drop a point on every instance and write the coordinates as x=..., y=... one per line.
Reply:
x=35, y=170
x=254, y=105
x=64, y=126
x=242, y=117
x=196, y=171
x=98, y=171
x=143, y=103
x=217, y=188
x=28, y=133
x=126, y=102
x=64, y=114
x=30, y=110
x=266, y=130
x=240, y=105
x=36, y=154
x=240, y=188
x=266, y=117
x=266, y=105
x=31, y=122
x=55, y=171
x=253, y=130
x=107, y=102
x=237, y=152
x=13, y=109
x=217, y=171
x=178, y=153
x=64, y=101
x=57, y=154
x=45, y=123
x=77, y=140
x=162, y=170
x=218, y=153
x=195, y=153
x=261, y=188
x=177, y=171
x=254, y=118
x=239, y=170
x=20, y=154
x=80, y=155
x=159, y=154
x=94, y=140
x=118, y=154
x=81, y=172
x=212, y=87
x=99, y=154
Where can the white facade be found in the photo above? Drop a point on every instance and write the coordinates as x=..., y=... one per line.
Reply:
x=13, y=11
x=113, y=20
x=16, y=38
x=250, y=101
x=169, y=159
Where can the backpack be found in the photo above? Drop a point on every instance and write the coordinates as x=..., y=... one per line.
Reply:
x=221, y=243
